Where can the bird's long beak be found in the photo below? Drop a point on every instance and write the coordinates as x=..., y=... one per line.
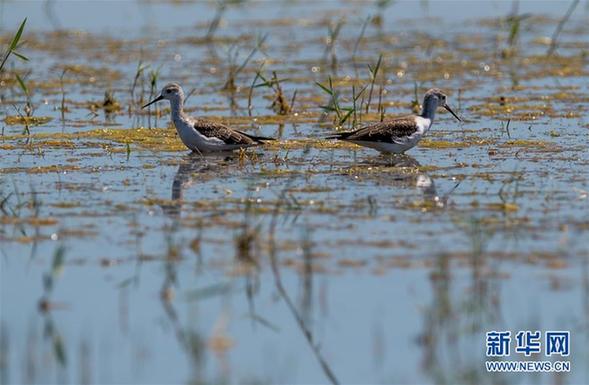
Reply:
x=160, y=98
x=452, y=112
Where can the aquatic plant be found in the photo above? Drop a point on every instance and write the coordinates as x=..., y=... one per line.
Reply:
x=334, y=104
x=141, y=67
x=248, y=239
x=280, y=104
x=273, y=254
x=233, y=68
x=153, y=91
x=373, y=74
x=360, y=37
x=27, y=117
x=110, y=104
x=220, y=11
x=381, y=6
x=63, y=109
x=333, y=31
x=14, y=45
x=560, y=26
x=415, y=104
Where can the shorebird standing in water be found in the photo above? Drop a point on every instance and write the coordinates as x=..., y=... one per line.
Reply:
x=201, y=135
x=400, y=134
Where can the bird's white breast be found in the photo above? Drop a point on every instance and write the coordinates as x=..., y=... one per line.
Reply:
x=423, y=124
x=195, y=140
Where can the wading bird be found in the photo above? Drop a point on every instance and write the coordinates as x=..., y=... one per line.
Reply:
x=202, y=135
x=400, y=134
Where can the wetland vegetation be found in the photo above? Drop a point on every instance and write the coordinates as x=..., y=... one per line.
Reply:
x=126, y=259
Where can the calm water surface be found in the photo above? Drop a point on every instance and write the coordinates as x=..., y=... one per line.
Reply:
x=304, y=262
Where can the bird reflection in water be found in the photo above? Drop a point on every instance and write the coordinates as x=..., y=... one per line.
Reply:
x=420, y=180
x=190, y=166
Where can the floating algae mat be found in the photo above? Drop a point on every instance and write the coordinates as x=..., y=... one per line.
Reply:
x=127, y=259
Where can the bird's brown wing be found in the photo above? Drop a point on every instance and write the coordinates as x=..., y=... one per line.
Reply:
x=386, y=131
x=222, y=132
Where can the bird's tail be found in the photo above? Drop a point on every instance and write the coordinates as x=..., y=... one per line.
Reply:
x=259, y=139
x=338, y=135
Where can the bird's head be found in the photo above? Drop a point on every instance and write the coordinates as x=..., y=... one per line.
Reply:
x=172, y=92
x=435, y=95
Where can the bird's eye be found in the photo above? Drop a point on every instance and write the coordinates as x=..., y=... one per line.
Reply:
x=168, y=91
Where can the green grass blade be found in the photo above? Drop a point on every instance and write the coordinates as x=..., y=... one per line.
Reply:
x=324, y=88
x=22, y=85
x=58, y=260
x=328, y=108
x=20, y=56
x=18, y=35
x=346, y=116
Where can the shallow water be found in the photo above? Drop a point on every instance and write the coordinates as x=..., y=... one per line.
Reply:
x=125, y=259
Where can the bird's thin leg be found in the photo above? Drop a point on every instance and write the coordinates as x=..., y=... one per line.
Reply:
x=198, y=152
